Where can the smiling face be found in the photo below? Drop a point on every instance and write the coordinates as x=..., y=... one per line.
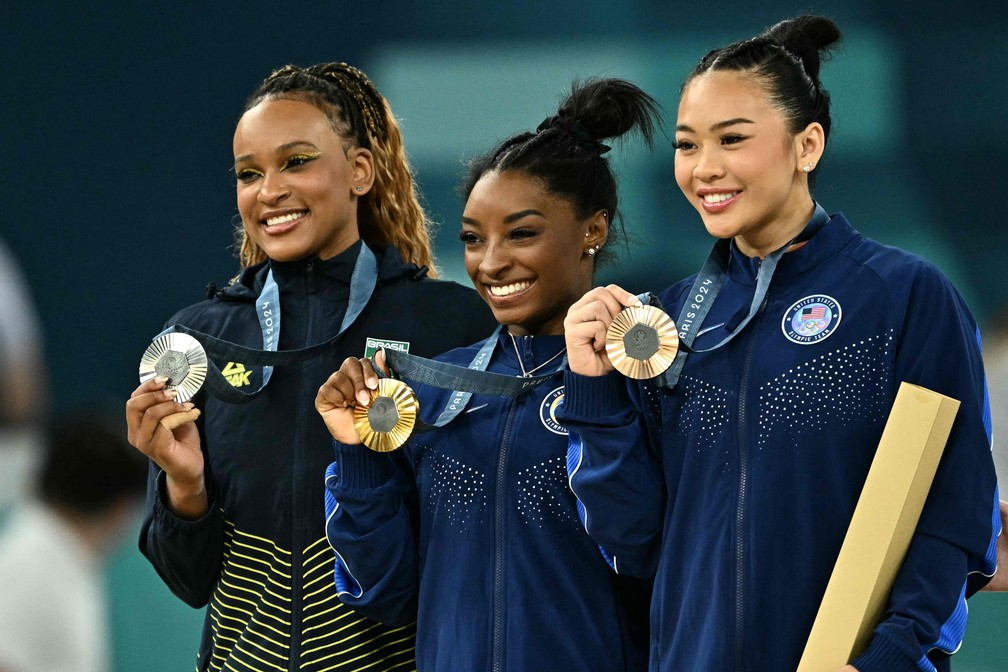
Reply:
x=296, y=183
x=526, y=251
x=739, y=166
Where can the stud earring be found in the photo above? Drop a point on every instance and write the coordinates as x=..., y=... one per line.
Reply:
x=591, y=251
x=807, y=168
x=362, y=188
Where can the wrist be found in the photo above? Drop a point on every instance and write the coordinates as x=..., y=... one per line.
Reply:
x=186, y=498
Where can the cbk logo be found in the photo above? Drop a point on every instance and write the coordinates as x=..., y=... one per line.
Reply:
x=236, y=374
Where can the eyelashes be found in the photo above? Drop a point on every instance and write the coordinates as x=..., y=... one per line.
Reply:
x=292, y=162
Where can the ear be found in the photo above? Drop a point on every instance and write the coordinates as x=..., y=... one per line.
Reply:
x=361, y=170
x=597, y=230
x=809, y=146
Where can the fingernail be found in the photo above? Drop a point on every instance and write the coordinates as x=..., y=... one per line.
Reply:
x=363, y=397
x=372, y=383
x=160, y=379
x=635, y=301
x=189, y=405
x=171, y=394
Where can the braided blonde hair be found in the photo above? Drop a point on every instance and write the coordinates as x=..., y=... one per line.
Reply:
x=390, y=213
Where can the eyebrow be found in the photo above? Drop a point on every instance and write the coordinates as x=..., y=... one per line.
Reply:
x=509, y=219
x=719, y=125
x=279, y=150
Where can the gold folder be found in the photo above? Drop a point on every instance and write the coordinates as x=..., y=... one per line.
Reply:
x=880, y=531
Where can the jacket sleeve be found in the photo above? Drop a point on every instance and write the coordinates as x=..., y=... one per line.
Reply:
x=614, y=471
x=952, y=553
x=370, y=521
x=185, y=553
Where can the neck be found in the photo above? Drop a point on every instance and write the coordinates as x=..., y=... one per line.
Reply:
x=777, y=234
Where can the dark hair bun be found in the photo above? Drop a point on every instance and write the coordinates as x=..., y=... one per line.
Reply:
x=808, y=37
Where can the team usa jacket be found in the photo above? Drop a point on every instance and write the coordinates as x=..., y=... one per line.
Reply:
x=259, y=557
x=475, y=524
x=735, y=489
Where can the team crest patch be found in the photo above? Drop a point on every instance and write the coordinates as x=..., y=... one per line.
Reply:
x=547, y=411
x=812, y=319
x=373, y=345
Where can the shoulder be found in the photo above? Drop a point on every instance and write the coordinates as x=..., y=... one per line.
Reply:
x=902, y=272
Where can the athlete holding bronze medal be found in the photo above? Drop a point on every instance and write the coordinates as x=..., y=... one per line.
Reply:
x=470, y=527
x=732, y=477
x=334, y=254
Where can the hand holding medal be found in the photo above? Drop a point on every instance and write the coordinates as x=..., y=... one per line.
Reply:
x=609, y=328
x=358, y=407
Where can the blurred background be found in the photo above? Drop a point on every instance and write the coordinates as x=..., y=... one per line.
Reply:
x=116, y=196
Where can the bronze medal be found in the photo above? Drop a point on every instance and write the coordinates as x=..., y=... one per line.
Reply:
x=388, y=420
x=642, y=342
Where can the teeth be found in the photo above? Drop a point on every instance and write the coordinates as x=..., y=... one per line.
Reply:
x=720, y=197
x=283, y=219
x=507, y=290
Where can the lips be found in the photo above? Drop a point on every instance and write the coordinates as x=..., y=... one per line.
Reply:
x=504, y=291
x=280, y=219
x=717, y=201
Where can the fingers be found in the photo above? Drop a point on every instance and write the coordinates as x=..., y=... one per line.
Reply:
x=349, y=385
x=147, y=406
x=379, y=360
x=152, y=432
x=625, y=298
x=176, y=420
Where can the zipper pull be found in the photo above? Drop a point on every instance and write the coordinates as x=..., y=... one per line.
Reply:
x=310, y=276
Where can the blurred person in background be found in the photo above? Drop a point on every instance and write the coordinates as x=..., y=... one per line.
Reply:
x=23, y=372
x=53, y=548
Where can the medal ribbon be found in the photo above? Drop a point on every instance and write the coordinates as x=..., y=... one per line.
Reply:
x=362, y=284
x=708, y=284
x=464, y=381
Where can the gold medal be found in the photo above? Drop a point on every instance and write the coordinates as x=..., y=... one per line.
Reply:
x=642, y=342
x=387, y=422
x=178, y=357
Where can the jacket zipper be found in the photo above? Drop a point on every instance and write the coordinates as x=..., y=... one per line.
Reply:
x=499, y=524
x=299, y=528
x=743, y=487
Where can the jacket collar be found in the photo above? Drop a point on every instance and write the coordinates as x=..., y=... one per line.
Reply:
x=391, y=266
x=833, y=237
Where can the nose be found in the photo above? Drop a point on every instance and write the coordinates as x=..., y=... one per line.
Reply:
x=709, y=165
x=272, y=188
x=494, y=260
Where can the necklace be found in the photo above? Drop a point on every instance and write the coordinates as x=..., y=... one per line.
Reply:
x=528, y=374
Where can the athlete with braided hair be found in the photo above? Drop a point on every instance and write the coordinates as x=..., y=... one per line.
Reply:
x=235, y=496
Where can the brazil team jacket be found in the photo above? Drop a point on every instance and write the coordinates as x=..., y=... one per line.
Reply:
x=475, y=525
x=259, y=556
x=735, y=489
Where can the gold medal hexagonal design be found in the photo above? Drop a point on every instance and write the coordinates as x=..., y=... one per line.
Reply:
x=388, y=420
x=642, y=342
x=178, y=357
